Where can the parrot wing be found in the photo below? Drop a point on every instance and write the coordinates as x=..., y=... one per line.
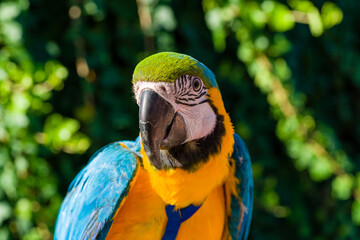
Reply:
x=97, y=191
x=241, y=205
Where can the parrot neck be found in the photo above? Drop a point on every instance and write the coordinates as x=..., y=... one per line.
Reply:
x=181, y=187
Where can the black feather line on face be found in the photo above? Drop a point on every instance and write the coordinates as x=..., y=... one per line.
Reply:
x=191, y=104
x=183, y=88
x=200, y=95
x=199, y=151
x=185, y=99
x=189, y=98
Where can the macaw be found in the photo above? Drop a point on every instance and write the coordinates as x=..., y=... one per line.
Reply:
x=187, y=176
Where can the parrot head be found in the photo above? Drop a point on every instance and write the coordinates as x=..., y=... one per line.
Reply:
x=180, y=125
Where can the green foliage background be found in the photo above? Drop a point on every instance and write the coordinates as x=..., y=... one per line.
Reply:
x=289, y=72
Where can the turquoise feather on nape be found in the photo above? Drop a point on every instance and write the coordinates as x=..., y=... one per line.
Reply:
x=96, y=192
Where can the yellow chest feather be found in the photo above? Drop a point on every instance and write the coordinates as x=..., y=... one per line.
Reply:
x=143, y=215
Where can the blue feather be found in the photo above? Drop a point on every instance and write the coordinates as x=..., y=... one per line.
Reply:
x=243, y=172
x=97, y=191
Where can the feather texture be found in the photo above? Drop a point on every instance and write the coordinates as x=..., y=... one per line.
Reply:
x=98, y=190
x=242, y=201
x=168, y=66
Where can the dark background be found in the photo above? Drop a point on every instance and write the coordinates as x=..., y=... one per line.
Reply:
x=289, y=73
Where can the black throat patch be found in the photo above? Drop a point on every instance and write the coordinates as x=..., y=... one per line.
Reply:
x=192, y=153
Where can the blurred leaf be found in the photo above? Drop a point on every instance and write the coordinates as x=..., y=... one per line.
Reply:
x=23, y=209
x=355, y=212
x=164, y=17
x=215, y=23
x=320, y=169
x=342, y=186
x=281, y=69
x=9, y=10
x=331, y=14
x=60, y=133
x=315, y=22
x=5, y=212
x=281, y=18
x=13, y=31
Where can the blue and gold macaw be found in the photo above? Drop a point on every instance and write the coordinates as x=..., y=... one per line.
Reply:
x=187, y=176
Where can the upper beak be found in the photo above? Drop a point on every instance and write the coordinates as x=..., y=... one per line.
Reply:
x=160, y=126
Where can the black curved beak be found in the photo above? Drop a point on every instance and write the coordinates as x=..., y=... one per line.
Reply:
x=160, y=126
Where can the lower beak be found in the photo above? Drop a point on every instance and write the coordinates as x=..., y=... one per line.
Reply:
x=160, y=126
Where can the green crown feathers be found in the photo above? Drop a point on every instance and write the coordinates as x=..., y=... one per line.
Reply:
x=168, y=66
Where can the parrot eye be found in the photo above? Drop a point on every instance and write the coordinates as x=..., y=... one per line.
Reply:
x=190, y=90
x=196, y=84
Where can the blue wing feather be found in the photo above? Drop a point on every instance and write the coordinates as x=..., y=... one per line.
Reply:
x=97, y=191
x=242, y=210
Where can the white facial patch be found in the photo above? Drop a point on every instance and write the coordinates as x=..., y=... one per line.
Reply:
x=188, y=97
x=163, y=89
